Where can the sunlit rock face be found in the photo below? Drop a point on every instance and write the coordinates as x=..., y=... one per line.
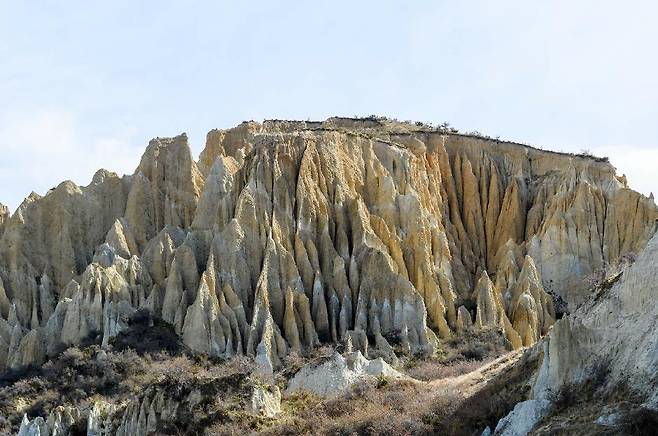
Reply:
x=285, y=235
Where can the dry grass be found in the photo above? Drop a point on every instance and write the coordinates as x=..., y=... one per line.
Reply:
x=403, y=407
x=80, y=377
x=494, y=398
x=383, y=406
x=394, y=408
x=407, y=407
x=578, y=406
x=457, y=356
x=429, y=370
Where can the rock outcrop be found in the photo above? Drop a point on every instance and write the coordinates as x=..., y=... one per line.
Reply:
x=60, y=422
x=339, y=373
x=611, y=340
x=288, y=234
x=4, y=218
x=143, y=415
x=171, y=407
x=266, y=401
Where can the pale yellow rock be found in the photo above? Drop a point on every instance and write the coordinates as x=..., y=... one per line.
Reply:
x=320, y=314
x=165, y=189
x=100, y=287
x=529, y=284
x=215, y=323
x=121, y=239
x=216, y=203
x=266, y=401
x=31, y=350
x=288, y=234
x=57, y=235
x=159, y=253
x=489, y=310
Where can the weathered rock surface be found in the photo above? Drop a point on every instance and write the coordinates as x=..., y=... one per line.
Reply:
x=288, y=234
x=615, y=332
x=59, y=423
x=171, y=407
x=338, y=373
x=266, y=401
x=523, y=418
x=4, y=218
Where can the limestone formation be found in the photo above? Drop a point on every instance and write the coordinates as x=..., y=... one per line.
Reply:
x=285, y=235
x=464, y=320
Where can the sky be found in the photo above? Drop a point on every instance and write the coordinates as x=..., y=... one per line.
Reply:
x=85, y=85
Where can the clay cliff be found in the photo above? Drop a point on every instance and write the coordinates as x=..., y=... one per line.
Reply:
x=285, y=235
x=598, y=366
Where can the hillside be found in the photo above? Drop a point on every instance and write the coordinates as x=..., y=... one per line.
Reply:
x=379, y=237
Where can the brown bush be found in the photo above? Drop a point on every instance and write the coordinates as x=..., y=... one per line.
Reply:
x=394, y=408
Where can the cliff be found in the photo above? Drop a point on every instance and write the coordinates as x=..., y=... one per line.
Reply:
x=285, y=235
x=598, y=367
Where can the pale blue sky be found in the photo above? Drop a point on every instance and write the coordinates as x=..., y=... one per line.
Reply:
x=84, y=86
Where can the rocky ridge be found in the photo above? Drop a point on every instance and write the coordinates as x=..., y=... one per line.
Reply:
x=285, y=235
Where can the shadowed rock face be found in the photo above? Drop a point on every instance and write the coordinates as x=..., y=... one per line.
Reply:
x=287, y=234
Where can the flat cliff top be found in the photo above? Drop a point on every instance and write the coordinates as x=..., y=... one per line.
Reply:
x=419, y=138
x=375, y=126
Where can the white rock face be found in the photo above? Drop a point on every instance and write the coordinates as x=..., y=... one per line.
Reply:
x=339, y=373
x=94, y=422
x=59, y=423
x=523, y=418
x=4, y=218
x=36, y=427
x=266, y=401
x=143, y=414
x=616, y=330
x=622, y=321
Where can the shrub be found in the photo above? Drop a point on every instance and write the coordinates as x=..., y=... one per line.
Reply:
x=584, y=391
x=146, y=335
x=476, y=351
x=639, y=421
x=382, y=381
x=586, y=154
